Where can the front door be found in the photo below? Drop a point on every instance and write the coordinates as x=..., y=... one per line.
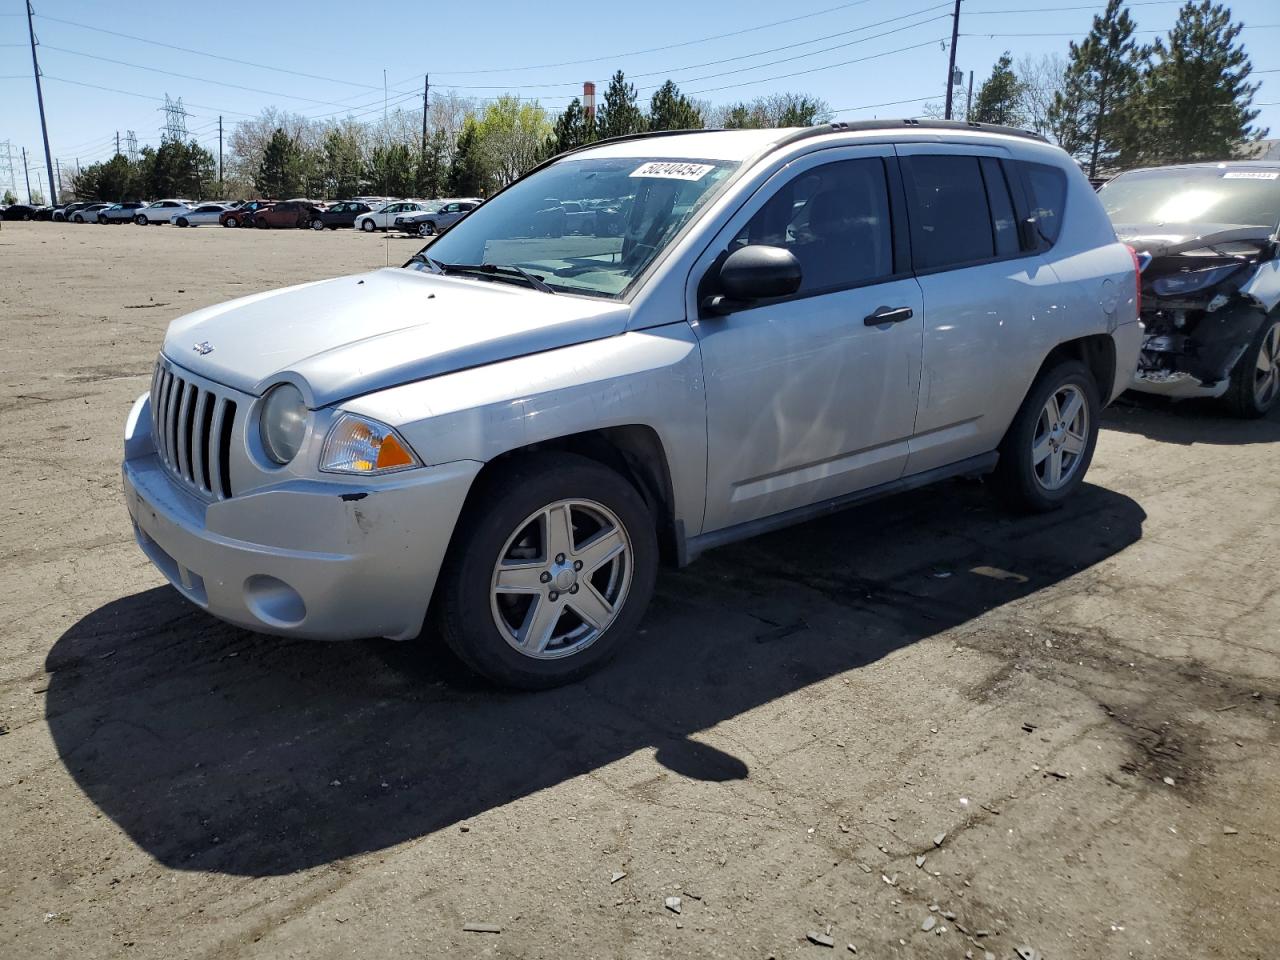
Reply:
x=809, y=398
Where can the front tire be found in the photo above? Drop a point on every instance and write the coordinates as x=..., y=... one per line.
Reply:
x=550, y=570
x=1255, y=381
x=426, y=229
x=261, y=224
x=182, y=222
x=367, y=226
x=317, y=224
x=140, y=220
x=1049, y=446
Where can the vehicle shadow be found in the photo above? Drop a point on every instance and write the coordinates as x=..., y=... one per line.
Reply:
x=1188, y=421
x=220, y=750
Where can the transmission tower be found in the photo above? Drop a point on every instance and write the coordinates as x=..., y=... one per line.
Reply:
x=8, y=174
x=131, y=146
x=175, y=119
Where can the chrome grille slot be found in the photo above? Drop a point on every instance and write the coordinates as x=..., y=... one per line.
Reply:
x=192, y=425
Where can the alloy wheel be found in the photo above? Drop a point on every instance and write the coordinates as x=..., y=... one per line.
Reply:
x=1061, y=437
x=561, y=579
x=1266, y=375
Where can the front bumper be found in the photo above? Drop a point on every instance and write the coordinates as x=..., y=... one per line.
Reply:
x=324, y=559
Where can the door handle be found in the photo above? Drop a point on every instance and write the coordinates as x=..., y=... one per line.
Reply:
x=888, y=315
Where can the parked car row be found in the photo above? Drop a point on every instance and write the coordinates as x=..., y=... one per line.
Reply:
x=366, y=214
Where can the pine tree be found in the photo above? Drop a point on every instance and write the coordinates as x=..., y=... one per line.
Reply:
x=619, y=115
x=280, y=173
x=740, y=117
x=433, y=170
x=1092, y=116
x=467, y=173
x=573, y=128
x=669, y=109
x=1000, y=98
x=1196, y=101
x=342, y=164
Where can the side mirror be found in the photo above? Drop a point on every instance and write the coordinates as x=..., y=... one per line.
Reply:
x=753, y=273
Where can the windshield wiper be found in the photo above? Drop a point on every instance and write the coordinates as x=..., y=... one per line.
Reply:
x=495, y=270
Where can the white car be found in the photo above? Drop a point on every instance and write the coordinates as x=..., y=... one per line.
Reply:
x=161, y=212
x=383, y=217
x=205, y=213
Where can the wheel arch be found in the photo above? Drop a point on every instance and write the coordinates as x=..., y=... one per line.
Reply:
x=634, y=451
x=1096, y=351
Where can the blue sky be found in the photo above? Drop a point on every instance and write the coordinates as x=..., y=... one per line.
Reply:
x=330, y=58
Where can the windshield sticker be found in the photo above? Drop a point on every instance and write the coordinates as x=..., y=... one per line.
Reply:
x=673, y=170
x=1243, y=175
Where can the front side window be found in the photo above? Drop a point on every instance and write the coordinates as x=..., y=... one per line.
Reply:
x=640, y=204
x=835, y=220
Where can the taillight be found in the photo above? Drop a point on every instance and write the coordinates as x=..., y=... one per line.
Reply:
x=1137, y=279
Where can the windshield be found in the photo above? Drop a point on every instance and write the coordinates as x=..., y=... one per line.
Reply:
x=1195, y=195
x=587, y=226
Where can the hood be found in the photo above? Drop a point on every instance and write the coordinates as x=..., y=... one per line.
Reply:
x=1166, y=239
x=350, y=336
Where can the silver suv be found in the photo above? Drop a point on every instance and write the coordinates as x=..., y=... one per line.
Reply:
x=500, y=440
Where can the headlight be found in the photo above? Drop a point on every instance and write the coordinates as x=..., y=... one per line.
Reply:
x=1192, y=280
x=360, y=445
x=283, y=422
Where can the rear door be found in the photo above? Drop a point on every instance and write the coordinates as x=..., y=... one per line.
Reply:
x=984, y=297
x=808, y=397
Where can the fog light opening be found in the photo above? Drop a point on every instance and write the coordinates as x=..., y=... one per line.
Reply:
x=273, y=601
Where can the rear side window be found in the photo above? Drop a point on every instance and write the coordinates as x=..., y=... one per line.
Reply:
x=835, y=220
x=1004, y=223
x=950, y=217
x=1048, y=198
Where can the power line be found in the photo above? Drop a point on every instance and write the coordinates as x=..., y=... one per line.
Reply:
x=829, y=66
x=669, y=46
x=187, y=76
x=203, y=53
x=755, y=53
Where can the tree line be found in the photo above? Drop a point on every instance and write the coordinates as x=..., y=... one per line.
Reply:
x=1114, y=103
x=471, y=149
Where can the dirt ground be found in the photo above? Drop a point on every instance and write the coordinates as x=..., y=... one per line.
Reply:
x=1057, y=733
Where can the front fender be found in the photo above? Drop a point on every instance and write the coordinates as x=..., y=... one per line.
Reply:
x=650, y=378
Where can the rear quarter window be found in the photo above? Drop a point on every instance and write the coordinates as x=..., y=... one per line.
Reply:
x=1047, y=196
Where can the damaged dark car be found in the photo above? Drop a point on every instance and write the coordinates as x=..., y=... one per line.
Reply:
x=1208, y=238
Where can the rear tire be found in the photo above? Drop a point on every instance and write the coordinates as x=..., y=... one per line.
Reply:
x=1255, y=381
x=1048, y=448
x=511, y=519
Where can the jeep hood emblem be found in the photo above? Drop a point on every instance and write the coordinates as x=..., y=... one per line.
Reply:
x=203, y=347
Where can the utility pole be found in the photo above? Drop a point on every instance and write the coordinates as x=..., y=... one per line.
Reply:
x=57, y=196
x=35, y=66
x=426, y=97
x=117, y=143
x=968, y=104
x=26, y=173
x=951, y=67
x=219, y=156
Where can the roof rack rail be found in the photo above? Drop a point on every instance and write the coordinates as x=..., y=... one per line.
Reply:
x=916, y=124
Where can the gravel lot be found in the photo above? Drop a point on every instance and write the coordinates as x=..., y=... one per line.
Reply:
x=1071, y=719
